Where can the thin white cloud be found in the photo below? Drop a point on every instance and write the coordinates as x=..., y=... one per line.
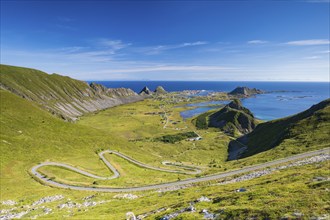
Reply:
x=318, y=1
x=171, y=68
x=312, y=42
x=113, y=44
x=65, y=23
x=257, y=42
x=64, y=19
x=106, y=59
x=312, y=57
x=66, y=27
x=68, y=50
x=324, y=52
x=160, y=48
x=197, y=43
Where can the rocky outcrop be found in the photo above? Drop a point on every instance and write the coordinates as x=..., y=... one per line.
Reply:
x=61, y=95
x=145, y=91
x=160, y=90
x=98, y=88
x=234, y=119
x=245, y=91
x=120, y=92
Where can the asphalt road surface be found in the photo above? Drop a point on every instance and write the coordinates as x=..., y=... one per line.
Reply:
x=53, y=183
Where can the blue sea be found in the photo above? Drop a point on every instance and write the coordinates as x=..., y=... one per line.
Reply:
x=284, y=99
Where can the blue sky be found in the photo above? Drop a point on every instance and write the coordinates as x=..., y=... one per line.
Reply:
x=169, y=40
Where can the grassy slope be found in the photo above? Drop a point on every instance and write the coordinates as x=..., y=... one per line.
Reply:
x=202, y=121
x=131, y=122
x=234, y=119
x=30, y=135
x=230, y=120
x=308, y=130
x=35, y=84
x=61, y=95
x=268, y=197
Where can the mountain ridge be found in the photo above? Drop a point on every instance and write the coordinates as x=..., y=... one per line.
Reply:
x=61, y=95
x=305, y=129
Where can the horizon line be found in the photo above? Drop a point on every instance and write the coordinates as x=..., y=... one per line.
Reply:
x=309, y=81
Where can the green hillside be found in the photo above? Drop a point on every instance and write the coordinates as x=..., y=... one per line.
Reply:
x=304, y=131
x=233, y=119
x=30, y=135
x=61, y=95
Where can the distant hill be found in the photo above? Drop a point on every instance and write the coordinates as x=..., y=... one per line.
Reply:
x=308, y=129
x=62, y=95
x=245, y=91
x=145, y=91
x=233, y=119
x=160, y=90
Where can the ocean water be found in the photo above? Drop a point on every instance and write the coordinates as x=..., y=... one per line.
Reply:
x=284, y=99
x=201, y=107
x=171, y=86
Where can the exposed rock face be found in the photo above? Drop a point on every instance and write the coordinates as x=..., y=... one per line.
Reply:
x=245, y=91
x=145, y=91
x=160, y=90
x=233, y=119
x=62, y=96
x=98, y=88
x=120, y=92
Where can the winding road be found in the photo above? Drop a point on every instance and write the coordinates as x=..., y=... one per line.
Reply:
x=116, y=174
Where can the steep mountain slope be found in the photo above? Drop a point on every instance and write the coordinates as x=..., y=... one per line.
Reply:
x=145, y=91
x=61, y=95
x=307, y=129
x=234, y=119
x=29, y=135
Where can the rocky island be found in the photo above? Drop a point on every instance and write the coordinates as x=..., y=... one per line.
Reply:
x=245, y=92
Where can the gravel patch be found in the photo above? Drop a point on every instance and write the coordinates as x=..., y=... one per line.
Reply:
x=48, y=199
x=256, y=174
x=72, y=205
x=13, y=215
x=126, y=196
x=204, y=199
x=9, y=202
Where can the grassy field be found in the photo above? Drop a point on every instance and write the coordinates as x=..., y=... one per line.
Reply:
x=30, y=135
x=141, y=129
